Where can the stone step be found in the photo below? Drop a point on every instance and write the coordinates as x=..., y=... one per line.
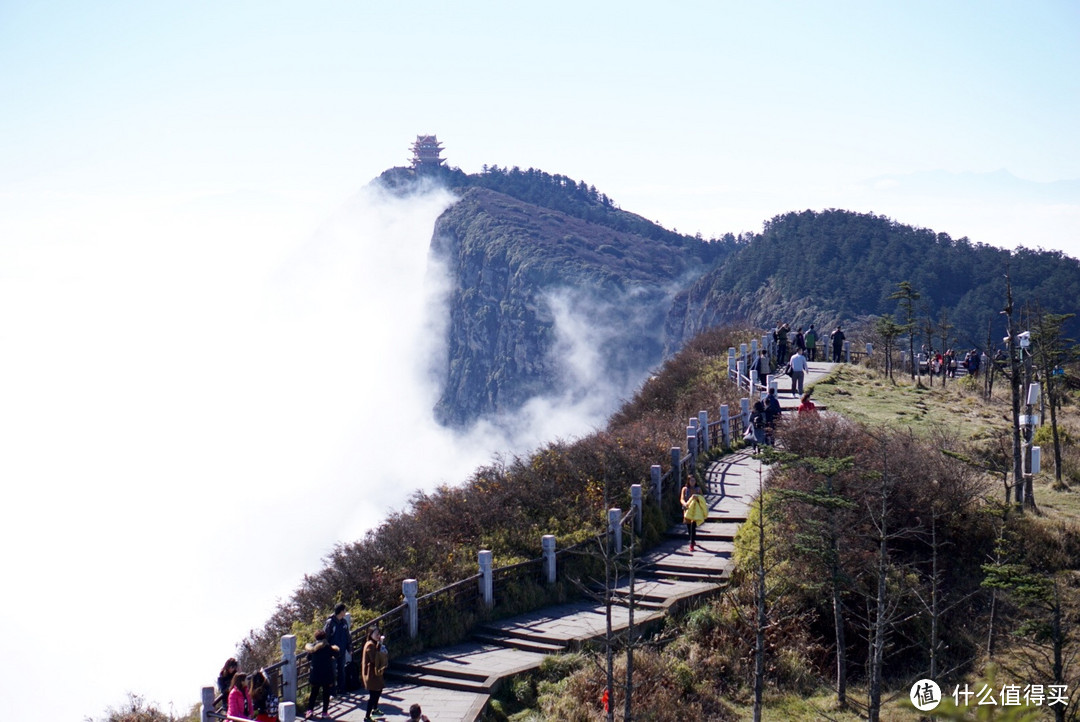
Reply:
x=698, y=575
x=404, y=668
x=524, y=642
x=439, y=681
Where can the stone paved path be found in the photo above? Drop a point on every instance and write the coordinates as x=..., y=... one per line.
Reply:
x=454, y=684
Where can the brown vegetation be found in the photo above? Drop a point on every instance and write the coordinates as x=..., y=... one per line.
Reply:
x=508, y=505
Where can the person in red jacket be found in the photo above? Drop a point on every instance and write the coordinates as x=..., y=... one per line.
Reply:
x=239, y=698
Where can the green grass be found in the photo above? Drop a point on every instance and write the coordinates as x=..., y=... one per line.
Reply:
x=864, y=395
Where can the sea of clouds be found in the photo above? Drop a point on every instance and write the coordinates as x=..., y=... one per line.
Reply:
x=195, y=406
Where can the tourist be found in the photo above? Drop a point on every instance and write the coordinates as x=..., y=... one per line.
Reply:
x=837, y=337
x=782, y=330
x=772, y=409
x=373, y=662
x=811, y=343
x=239, y=698
x=225, y=677
x=798, y=372
x=755, y=429
x=264, y=699
x=806, y=406
x=337, y=634
x=416, y=715
x=321, y=677
x=761, y=366
x=695, y=508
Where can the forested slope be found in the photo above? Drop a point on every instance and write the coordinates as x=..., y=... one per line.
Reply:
x=835, y=266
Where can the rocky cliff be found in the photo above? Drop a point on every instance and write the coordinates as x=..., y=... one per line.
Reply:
x=528, y=283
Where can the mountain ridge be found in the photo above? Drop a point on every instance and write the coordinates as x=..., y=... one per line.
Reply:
x=515, y=240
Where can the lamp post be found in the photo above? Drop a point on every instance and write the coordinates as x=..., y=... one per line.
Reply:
x=1032, y=392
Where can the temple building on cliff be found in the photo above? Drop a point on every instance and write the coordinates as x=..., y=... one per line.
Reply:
x=427, y=151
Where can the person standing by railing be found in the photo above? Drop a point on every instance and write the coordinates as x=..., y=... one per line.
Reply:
x=338, y=634
x=760, y=365
x=321, y=678
x=264, y=699
x=811, y=343
x=837, y=337
x=239, y=698
x=373, y=662
x=225, y=678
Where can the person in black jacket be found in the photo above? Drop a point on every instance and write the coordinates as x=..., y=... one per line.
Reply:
x=772, y=415
x=338, y=634
x=837, y=338
x=321, y=658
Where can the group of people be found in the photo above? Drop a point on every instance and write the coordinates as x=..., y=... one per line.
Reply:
x=766, y=413
x=806, y=342
x=946, y=363
x=248, y=696
x=331, y=667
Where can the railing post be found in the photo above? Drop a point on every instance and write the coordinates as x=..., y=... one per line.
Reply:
x=287, y=712
x=409, y=588
x=614, y=521
x=547, y=543
x=732, y=362
x=703, y=424
x=487, y=584
x=635, y=504
x=657, y=482
x=691, y=446
x=207, y=704
x=847, y=352
x=288, y=672
x=725, y=426
x=743, y=372
x=869, y=349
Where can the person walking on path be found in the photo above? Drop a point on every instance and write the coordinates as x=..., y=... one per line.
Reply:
x=373, y=662
x=811, y=342
x=321, y=658
x=695, y=508
x=798, y=372
x=837, y=338
x=338, y=634
x=806, y=406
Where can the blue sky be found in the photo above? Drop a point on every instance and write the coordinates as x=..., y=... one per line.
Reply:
x=195, y=294
x=705, y=116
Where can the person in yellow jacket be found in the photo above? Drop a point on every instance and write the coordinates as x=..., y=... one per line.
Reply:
x=695, y=508
x=373, y=664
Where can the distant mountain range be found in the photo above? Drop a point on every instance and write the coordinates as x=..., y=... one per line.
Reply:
x=527, y=249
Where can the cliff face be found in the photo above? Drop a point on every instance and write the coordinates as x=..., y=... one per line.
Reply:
x=528, y=282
